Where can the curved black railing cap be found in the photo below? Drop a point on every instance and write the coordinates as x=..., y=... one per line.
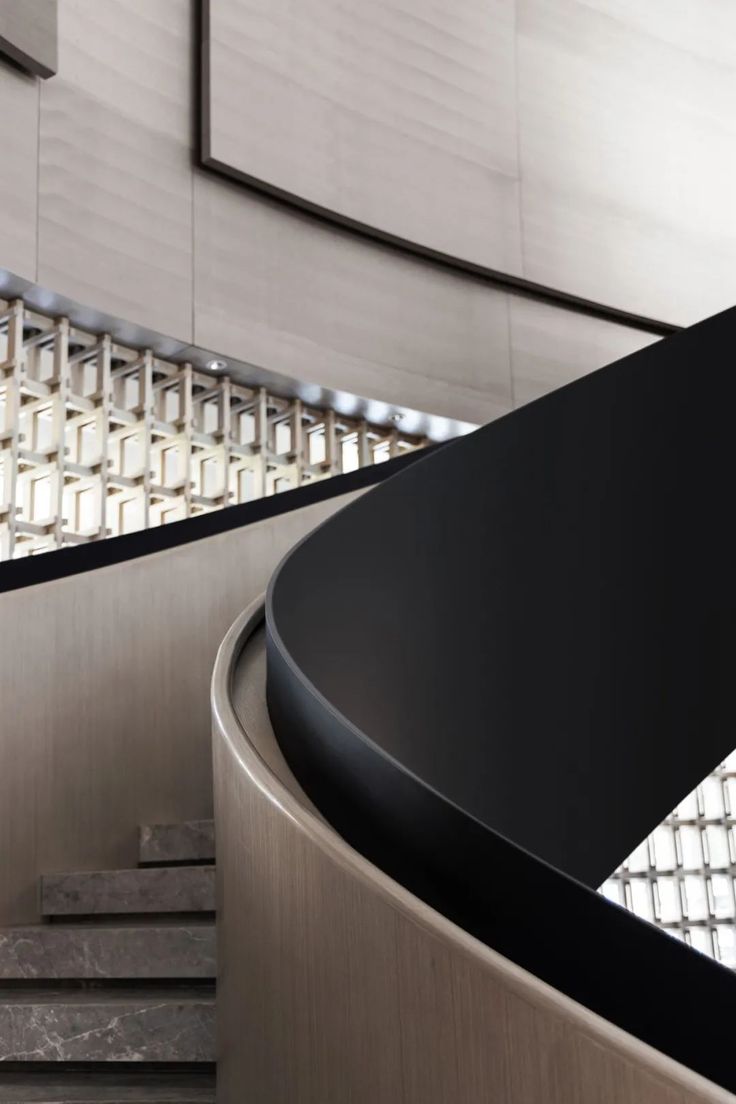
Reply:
x=498, y=671
x=537, y=620
x=617, y=965
x=29, y=571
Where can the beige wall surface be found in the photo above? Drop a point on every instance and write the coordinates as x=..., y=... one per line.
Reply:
x=101, y=202
x=335, y=984
x=104, y=700
x=627, y=146
x=589, y=145
x=399, y=115
x=19, y=99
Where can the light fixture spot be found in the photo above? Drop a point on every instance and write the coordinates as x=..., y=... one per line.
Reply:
x=216, y=365
x=396, y=418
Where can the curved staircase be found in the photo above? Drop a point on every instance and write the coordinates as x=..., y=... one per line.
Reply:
x=112, y=997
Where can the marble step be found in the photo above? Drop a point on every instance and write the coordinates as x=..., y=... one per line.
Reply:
x=72, y=1025
x=149, y=889
x=113, y=1086
x=58, y=951
x=192, y=841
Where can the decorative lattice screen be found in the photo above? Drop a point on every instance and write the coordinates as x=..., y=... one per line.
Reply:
x=97, y=439
x=682, y=876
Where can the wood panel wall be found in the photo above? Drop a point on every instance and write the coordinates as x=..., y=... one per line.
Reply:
x=588, y=145
x=337, y=985
x=104, y=700
x=101, y=202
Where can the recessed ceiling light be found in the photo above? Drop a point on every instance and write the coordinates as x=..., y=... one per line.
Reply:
x=216, y=365
x=396, y=418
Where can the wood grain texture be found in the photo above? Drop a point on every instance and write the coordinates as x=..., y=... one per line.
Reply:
x=308, y=300
x=627, y=133
x=115, y=189
x=337, y=985
x=104, y=704
x=400, y=116
x=552, y=347
x=19, y=95
x=587, y=145
x=128, y=227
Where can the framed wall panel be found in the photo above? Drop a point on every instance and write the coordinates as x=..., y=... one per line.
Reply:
x=627, y=132
x=400, y=117
x=582, y=150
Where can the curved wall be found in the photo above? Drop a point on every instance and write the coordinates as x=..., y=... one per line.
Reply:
x=336, y=984
x=401, y=116
x=542, y=671
x=110, y=668
x=101, y=202
x=585, y=145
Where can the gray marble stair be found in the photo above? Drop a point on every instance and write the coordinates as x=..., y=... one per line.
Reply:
x=192, y=841
x=50, y=952
x=158, y=889
x=111, y=1086
x=78, y=1025
x=120, y=978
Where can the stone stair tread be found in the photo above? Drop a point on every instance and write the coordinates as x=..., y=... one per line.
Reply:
x=116, y=951
x=149, y=994
x=118, y=1025
x=57, y=1086
x=189, y=841
x=150, y=889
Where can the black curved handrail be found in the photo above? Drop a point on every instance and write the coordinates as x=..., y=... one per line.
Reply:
x=29, y=571
x=499, y=671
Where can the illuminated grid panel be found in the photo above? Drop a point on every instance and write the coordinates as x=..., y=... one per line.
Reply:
x=98, y=439
x=682, y=876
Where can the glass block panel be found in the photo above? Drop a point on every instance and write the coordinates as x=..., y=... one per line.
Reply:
x=665, y=857
x=713, y=806
x=691, y=850
x=41, y=498
x=688, y=807
x=717, y=844
x=698, y=902
x=696, y=897
x=613, y=890
x=317, y=446
x=700, y=939
x=726, y=939
x=152, y=423
x=638, y=860
x=669, y=900
x=722, y=896
x=731, y=796
x=86, y=510
x=641, y=898
x=350, y=454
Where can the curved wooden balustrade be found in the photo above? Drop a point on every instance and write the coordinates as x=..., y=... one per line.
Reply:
x=337, y=984
x=536, y=668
